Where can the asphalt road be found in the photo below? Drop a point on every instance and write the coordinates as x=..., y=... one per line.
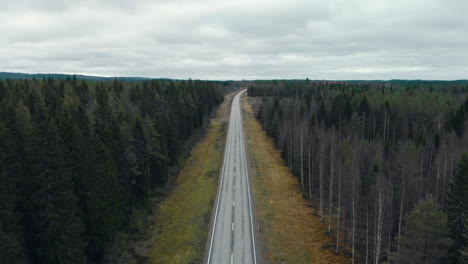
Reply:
x=232, y=232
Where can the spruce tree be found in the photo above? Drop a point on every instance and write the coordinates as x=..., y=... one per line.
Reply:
x=11, y=242
x=425, y=240
x=457, y=210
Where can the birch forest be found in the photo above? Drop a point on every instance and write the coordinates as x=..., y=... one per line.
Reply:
x=382, y=163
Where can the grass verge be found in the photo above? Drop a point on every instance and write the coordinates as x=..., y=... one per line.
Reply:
x=182, y=219
x=288, y=229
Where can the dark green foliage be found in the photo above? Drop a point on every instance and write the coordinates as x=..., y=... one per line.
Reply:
x=11, y=248
x=425, y=240
x=76, y=156
x=458, y=212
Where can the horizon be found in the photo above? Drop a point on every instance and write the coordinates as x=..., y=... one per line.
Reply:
x=234, y=80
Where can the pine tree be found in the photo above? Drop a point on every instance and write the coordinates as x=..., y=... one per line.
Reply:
x=457, y=211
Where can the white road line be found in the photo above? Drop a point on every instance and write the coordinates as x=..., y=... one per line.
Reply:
x=248, y=191
x=234, y=187
x=233, y=203
x=219, y=192
x=240, y=135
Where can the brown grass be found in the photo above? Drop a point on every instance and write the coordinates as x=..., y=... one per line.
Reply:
x=182, y=219
x=289, y=230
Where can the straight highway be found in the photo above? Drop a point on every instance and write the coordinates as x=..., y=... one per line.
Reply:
x=231, y=239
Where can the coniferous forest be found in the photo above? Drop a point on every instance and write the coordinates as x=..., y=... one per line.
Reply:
x=383, y=163
x=76, y=156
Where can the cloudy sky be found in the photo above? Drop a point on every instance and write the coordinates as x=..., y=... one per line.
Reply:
x=237, y=39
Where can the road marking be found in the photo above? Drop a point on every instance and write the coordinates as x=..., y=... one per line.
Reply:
x=248, y=192
x=234, y=186
x=219, y=192
x=233, y=203
x=236, y=116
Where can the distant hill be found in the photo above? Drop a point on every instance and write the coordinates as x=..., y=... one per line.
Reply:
x=15, y=76
x=403, y=81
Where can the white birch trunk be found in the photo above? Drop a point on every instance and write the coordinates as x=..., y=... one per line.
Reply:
x=354, y=219
x=330, y=192
x=302, y=163
x=379, y=227
x=310, y=175
x=402, y=198
x=367, y=236
x=390, y=228
x=339, y=213
x=321, y=182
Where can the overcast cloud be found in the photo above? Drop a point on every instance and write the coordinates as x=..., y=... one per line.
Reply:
x=237, y=39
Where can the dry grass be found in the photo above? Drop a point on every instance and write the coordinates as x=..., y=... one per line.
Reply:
x=182, y=219
x=289, y=230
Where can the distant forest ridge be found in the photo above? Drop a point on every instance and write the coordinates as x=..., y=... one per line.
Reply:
x=16, y=76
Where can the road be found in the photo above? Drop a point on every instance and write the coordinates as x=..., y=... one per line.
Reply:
x=232, y=235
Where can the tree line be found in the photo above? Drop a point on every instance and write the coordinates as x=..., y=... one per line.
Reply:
x=76, y=156
x=382, y=161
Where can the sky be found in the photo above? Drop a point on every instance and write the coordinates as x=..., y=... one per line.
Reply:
x=237, y=39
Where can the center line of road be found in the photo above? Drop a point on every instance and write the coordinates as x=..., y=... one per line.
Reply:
x=216, y=252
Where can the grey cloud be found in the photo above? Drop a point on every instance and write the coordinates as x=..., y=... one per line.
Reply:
x=214, y=39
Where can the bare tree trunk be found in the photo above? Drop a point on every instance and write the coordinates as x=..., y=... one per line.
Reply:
x=302, y=163
x=421, y=166
x=402, y=198
x=379, y=226
x=376, y=207
x=363, y=125
x=290, y=147
x=445, y=176
x=310, y=175
x=321, y=181
x=354, y=218
x=388, y=127
x=367, y=236
x=330, y=192
x=373, y=127
x=339, y=213
x=385, y=124
x=390, y=228
x=437, y=180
